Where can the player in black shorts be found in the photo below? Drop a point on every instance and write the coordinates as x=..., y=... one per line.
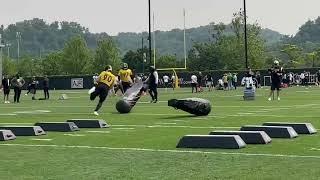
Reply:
x=6, y=89
x=276, y=73
x=106, y=81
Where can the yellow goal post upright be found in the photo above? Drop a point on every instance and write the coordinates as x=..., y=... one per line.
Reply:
x=184, y=47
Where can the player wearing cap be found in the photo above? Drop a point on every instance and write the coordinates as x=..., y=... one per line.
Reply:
x=276, y=73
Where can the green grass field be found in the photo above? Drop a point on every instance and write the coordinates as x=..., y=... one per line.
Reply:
x=141, y=145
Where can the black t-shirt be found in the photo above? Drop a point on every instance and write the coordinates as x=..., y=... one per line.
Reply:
x=276, y=74
x=209, y=78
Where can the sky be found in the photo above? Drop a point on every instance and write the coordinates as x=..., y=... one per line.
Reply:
x=114, y=16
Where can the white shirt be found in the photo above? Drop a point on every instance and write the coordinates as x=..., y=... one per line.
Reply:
x=302, y=76
x=173, y=78
x=220, y=82
x=95, y=79
x=247, y=82
x=155, y=73
x=194, y=79
x=165, y=79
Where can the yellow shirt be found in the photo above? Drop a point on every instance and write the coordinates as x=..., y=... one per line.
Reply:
x=125, y=75
x=107, y=78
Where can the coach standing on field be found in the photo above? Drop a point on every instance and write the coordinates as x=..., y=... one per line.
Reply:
x=152, y=81
x=276, y=73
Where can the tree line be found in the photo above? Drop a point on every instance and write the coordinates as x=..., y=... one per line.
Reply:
x=63, y=48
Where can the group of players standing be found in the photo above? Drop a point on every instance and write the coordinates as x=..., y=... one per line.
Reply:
x=18, y=83
x=107, y=81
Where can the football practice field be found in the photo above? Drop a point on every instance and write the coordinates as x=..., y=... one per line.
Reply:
x=142, y=144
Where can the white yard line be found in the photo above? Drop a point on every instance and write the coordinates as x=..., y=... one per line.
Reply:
x=74, y=135
x=166, y=123
x=123, y=128
x=165, y=150
x=16, y=123
x=35, y=139
x=160, y=126
x=102, y=132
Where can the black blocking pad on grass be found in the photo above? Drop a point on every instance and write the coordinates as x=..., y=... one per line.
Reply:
x=89, y=123
x=249, y=137
x=211, y=141
x=25, y=130
x=273, y=131
x=300, y=128
x=58, y=126
x=6, y=135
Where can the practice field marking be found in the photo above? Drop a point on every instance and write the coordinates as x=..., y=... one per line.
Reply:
x=177, y=120
x=8, y=114
x=102, y=132
x=16, y=123
x=166, y=123
x=32, y=112
x=124, y=128
x=74, y=135
x=163, y=150
x=160, y=126
x=35, y=139
x=245, y=113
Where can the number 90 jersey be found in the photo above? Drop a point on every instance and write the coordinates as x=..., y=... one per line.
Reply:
x=107, y=78
x=125, y=75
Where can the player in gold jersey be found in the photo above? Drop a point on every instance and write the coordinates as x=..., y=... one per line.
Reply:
x=125, y=76
x=106, y=81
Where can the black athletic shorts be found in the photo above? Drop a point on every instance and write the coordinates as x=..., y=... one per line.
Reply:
x=125, y=86
x=166, y=84
x=101, y=91
x=194, y=85
x=6, y=91
x=275, y=86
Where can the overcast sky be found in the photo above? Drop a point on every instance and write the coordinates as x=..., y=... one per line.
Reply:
x=113, y=16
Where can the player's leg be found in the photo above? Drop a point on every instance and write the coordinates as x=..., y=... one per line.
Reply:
x=273, y=88
x=102, y=97
x=95, y=93
x=278, y=92
x=155, y=92
x=15, y=94
x=151, y=92
x=18, y=95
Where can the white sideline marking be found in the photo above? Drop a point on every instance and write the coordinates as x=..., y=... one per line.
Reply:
x=164, y=150
x=9, y=114
x=74, y=135
x=179, y=120
x=32, y=112
x=34, y=139
x=16, y=123
x=167, y=123
x=245, y=113
x=102, y=132
x=123, y=128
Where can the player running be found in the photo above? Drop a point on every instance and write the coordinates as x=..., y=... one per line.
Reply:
x=125, y=76
x=106, y=80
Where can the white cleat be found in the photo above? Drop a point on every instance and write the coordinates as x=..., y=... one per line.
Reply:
x=91, y=90
x=269, y=99
x=278, y=98
x=96, y=113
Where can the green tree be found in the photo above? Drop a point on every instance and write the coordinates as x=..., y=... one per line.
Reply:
x=106, y=53
x=294, y=54
x=52, y=64
x=76, y=56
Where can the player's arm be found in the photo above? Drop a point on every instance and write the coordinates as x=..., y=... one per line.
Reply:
x=131, y=76
x=155, y=73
